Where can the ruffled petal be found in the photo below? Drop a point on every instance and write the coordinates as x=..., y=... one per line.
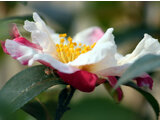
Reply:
x=53, y=63
x=82, y=80
x=144, y=81
x=123, y=62
x=26, y=42
x=41, y=34
x=144, y=47
x=14, y=32
x=103, y=52
x=88, y=36
x=20, y=52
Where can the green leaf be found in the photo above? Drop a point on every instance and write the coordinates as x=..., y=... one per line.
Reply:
x=96, y=108
x=144, y=64
x=27, y=84
x=43, y=107
x=152, y=101
x=37, y=109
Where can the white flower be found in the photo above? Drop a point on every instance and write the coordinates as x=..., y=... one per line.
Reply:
x=90, y=50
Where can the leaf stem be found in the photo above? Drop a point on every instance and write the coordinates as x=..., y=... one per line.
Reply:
x=65, y=97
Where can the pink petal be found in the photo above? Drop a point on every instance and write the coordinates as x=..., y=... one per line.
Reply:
x=89, y=36
x=26, y=42
x=82, y=80
x=14, y=32
x=20, y=52
x=112, y=81
x=3, y=47
x=96, y=35
x=144, y=80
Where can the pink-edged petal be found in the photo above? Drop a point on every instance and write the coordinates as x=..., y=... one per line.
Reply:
x=14, y=32
x=82, y=80
x=26, y=42
x=103, y=51
x=144, y=81
x=53, y=63
x=3, y=47
x=20, y=52
x=88, y=36
x=112, y=81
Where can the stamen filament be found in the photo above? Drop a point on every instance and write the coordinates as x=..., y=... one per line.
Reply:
x=69, y=52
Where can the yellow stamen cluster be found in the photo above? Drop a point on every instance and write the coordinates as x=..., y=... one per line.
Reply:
x=70, y=51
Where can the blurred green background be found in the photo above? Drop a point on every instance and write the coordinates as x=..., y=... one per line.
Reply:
x=130, y=21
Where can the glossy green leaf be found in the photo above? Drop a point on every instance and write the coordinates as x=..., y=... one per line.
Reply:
x=144, y=64
x=152, y=101
x=27, y=84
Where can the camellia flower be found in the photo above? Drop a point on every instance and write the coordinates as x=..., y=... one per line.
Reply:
x=89, y=59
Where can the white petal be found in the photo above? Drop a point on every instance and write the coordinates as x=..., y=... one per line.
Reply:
x=88, y=36
x=147, y=45
x=118, y=56
x=104, y=52
x=41, y=34
x=20, y=52
x=44, y=58
x=113, y=71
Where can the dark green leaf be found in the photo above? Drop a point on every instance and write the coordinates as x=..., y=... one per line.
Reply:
x=37, y=110
x=43, y=107
x=27, y=84
x=144, y=64
x=152, y=101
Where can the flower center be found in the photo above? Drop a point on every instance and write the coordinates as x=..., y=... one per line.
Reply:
x=69, y=51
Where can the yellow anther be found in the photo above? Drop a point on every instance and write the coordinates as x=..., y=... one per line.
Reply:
x=70, y=39
x=57, y=45
x=72, y=45
x=62, y=41
x=60, y=45
x=75, y=44
x=83, y=51
x=78, y=53
x=78, y=49
x=80, y=44
x=63, y=35
x=58, y=50
x=84, y=45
